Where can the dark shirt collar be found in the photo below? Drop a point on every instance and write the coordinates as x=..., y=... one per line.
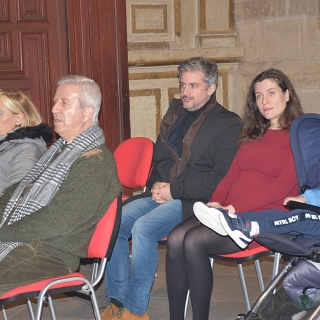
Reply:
x=195, y=114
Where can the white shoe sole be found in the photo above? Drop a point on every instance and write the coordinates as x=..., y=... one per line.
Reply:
x=237, y=236
x=209, y=217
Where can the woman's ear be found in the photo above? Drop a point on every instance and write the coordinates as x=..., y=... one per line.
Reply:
x=287, y=95
x=19, y=119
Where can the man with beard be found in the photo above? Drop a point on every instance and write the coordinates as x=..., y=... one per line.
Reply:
x=195, y=147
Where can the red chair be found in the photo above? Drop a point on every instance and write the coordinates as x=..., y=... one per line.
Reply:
x=253, y=252
x=100, y=248
x=134, y=163
x=134, y=159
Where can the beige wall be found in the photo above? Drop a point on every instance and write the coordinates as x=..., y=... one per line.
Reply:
x=283, y=34
x=243, y=36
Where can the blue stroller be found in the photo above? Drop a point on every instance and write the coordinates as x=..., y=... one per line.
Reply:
x=273, y=303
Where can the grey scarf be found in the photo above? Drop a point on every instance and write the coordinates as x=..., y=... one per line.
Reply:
x=39, y=186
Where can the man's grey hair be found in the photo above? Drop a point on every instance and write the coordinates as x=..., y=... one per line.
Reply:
x=208, y=68
x=90, y=95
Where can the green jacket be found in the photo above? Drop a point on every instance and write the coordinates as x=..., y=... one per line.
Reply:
x=65, y=226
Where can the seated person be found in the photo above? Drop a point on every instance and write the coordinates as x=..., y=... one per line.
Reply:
x=48, y=218
x=242, y=228
x=23, y=137
x=303, y=283
x=262, y=171
x=193, y=152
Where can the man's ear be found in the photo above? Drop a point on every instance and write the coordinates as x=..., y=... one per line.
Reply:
x=88, y=113
x=212, y=89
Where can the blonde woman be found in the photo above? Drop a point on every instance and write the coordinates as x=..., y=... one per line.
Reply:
x=23, y=136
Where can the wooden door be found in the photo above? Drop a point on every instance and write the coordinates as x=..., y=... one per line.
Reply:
x=41, y=40
x=97, y=36
x=33, y=49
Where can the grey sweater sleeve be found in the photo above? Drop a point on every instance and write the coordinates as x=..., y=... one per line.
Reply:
x=17, y=163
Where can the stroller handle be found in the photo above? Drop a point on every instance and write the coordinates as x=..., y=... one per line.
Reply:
x=299, y=205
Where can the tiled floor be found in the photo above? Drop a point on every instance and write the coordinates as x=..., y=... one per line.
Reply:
x=226, y=301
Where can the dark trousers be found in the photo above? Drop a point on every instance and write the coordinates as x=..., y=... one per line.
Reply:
x=29, y=263
x=295, y=222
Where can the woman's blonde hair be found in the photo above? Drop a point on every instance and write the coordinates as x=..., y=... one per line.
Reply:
x=17, y=102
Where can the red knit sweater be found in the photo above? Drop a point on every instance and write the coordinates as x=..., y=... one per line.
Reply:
x=261, y=176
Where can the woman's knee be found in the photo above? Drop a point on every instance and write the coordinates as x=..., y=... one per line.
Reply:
x=202, y=239
x=193, y=241
x=176, y=238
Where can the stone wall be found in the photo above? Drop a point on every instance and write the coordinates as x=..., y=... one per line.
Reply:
x=244, y=37
x=283, y=34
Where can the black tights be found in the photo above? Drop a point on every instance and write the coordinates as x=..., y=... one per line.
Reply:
x=188, y=266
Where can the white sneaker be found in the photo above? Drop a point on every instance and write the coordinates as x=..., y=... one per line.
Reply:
x=209, y=217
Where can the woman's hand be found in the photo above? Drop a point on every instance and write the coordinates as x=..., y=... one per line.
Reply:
x=217, y=205
x=230, y=208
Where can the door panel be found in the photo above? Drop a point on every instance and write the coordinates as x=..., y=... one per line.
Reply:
x=41, y=40
x=33, y=48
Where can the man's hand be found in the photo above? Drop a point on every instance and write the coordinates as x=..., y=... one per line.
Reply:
x=298, y=199
x=161, y=192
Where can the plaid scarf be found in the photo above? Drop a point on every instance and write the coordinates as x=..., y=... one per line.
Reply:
x=40, y=185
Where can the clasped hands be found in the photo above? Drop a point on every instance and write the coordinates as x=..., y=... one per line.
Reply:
x=161, y=192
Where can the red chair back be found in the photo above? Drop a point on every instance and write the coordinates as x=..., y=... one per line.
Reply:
x=100, y=246
x=106, y=227
x=134, y=158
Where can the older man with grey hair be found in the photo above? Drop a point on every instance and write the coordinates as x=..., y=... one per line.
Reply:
x=49, y=217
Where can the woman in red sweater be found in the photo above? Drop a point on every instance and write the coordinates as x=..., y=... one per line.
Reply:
x=261, y=175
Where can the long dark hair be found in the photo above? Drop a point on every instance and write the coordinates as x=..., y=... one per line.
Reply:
x=254, y=125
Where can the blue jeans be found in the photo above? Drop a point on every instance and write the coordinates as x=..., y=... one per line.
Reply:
x=146, y=222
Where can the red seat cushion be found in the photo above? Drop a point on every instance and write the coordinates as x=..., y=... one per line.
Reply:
x=37, y=286
x=252, y=249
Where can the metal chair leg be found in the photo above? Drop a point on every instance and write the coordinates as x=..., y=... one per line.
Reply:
x=30, y=309
x=4, y=313
x=51, y=308
x=243, y=286
x=259, y=274
x=186, y=305
x=276, y=264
